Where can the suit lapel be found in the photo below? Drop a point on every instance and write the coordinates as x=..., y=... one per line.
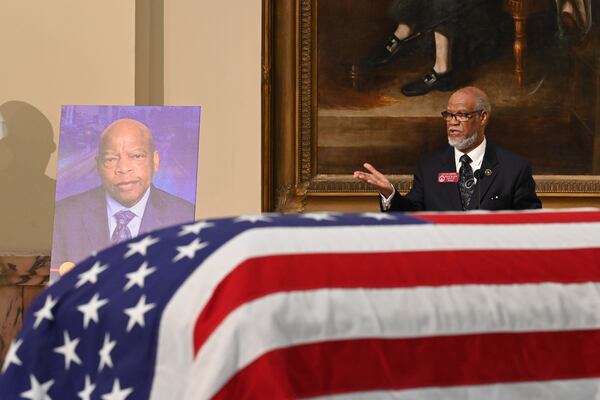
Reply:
x=491, y=165
x=450, y=190
x=95, y=222
x=152, y=218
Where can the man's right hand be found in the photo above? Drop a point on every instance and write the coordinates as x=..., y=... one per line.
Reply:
x=376, y=179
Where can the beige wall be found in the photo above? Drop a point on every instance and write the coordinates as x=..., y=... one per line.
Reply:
x=66, y=52
x=212, y=58
x=83, y=52
x=52, y=53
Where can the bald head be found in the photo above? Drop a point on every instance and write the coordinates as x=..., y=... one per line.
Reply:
x=479, y=97
x=126, y=125
x=127, y=160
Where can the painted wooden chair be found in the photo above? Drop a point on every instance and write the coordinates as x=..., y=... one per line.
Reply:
x=520, y=11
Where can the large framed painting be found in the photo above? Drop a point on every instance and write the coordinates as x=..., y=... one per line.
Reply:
x=331, y=103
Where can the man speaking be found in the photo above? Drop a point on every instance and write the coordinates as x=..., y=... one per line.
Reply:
x=471, y=173
x=125, y=205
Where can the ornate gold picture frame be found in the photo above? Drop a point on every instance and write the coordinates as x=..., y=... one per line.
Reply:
x=298, y=176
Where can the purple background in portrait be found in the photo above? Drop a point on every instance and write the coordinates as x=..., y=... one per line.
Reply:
x=175, y=131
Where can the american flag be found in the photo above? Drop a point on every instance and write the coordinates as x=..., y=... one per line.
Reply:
x=325, y=305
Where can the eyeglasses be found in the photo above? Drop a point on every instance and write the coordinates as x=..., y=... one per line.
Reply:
x=461, y=116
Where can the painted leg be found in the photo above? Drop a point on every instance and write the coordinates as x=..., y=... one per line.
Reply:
x=441, y=78
x=442, y=53
x=391, y=49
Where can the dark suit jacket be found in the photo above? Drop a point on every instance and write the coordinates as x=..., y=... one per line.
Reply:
x=81, y=224
x=510, y=185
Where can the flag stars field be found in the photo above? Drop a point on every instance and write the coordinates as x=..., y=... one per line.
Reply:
x=379, y=216
x=45, y=312
x=104, y=353
x=68, y=350
x=195, y=228
x=254, y=218
x=117, y=393
x=11, y=356
x=90, y=309
x=189, y=251
x=321, y=216
x=38, y=391
x=141, y=247
x=136, y=313
x=139, y=276
x=91, y=275
x=88, y=389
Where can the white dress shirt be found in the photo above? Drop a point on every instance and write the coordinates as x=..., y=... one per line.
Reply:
x=113, y=207
x=476, y=156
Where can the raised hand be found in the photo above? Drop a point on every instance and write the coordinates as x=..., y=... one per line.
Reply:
x=376, y=179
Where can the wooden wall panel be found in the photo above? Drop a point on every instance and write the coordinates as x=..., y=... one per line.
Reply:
x=22, y=278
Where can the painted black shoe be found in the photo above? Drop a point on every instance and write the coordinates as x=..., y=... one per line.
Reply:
x=431, y=81
x=387, y=53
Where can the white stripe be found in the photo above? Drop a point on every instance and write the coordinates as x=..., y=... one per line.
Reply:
x=292, y=318
x=175, y=356
x=575, y=389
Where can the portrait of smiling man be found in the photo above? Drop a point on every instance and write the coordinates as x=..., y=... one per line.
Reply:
x=125, y=205
x=471, y=173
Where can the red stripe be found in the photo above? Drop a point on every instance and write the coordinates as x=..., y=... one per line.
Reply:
x=335, y=367
x=511, y=218
x=259, y=277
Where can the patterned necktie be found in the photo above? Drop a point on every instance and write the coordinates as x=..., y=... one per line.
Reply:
x=466, y=182
x=122, y=232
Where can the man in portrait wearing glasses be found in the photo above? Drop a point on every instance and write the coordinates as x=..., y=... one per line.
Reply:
x=471, y=173
x=125, y=205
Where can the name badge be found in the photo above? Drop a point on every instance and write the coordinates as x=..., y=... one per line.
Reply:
x=447, y=177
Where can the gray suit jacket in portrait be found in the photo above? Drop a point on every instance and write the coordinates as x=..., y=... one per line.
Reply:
x=505, y=183
x=81, y=223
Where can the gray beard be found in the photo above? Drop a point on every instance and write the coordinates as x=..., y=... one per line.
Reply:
x=462, y=144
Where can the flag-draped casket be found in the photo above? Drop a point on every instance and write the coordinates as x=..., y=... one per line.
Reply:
x=409, y=306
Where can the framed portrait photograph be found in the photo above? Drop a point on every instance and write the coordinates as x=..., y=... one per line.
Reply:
x=347, y=82
x=122, y=171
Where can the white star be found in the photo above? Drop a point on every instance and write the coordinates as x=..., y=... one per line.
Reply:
x=68, y=350
x=91, y=275
x=11, y=356
x=379, y=216
x=37, y=391
x=117, y=393
x=90, y=309
x=136, y=314
x=104, y=352
x=194, y=228
x=189, y=250
x=138, y=277
x=88, y=389
x=45, y=312
x=253, y=218
x=141, y=247
x=319, y=216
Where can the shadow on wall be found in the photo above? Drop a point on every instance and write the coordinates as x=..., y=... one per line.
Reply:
x=26, y=193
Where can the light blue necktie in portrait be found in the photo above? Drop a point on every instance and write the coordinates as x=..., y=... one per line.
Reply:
x=122, y=232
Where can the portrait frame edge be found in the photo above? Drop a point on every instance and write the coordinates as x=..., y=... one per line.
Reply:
x=290, y=182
